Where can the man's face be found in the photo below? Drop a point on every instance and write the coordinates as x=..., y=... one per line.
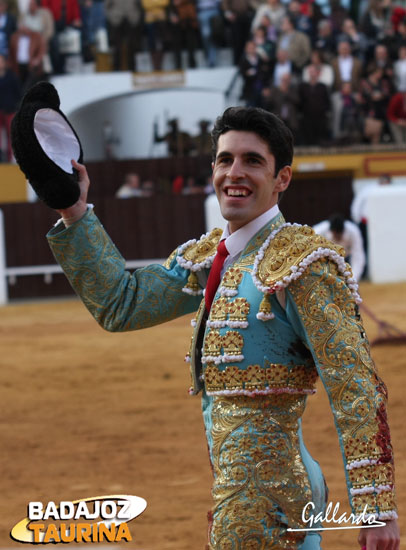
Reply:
x=344, y=49
x=244, y=177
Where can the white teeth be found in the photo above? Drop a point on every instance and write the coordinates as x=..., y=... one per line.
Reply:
x=237, y=192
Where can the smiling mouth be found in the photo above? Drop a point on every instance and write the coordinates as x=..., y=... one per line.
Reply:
x=237, y=192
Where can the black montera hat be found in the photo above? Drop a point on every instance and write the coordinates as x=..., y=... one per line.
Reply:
x=44, y=142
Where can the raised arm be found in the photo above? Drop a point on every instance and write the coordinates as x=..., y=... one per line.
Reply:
x=117, y=299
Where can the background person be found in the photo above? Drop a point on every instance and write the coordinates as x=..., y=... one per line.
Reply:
x=348, y=235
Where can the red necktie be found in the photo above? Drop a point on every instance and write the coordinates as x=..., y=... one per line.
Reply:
x=215, y=272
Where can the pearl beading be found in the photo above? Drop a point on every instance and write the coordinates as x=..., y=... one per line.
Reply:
x=267, y=391
x=297, y=271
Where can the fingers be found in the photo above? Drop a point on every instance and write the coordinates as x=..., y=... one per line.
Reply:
x=73, y=213
x=84, y=181
x=81, y=168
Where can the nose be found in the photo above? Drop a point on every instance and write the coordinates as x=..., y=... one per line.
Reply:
x=235, y=171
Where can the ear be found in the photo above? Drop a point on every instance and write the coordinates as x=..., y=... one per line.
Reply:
x=212, y=166
x=283, y=179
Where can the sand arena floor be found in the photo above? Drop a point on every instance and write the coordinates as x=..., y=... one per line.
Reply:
x=86, y=413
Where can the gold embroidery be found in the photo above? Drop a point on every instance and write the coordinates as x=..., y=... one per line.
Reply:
x=367, y=476
x=358, y=395
x=204, y=248
x=238, y=309
x=287, y=249
x=282, y=378
x=233, y=343
x=218, y=311
x=248, y=254
x=232, y=278
x=212, y=343
x=260, y=483
x=193, y=283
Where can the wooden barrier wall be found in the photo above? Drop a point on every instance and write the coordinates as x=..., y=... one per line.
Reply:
x=149, y=227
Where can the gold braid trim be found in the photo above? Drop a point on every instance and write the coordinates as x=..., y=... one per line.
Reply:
x=357, y=395
x=196, y=255
x=291, y=248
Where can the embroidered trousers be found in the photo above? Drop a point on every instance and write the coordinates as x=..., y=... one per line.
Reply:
x=263, y=473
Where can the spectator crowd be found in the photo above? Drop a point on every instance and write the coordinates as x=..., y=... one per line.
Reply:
x=333, y=76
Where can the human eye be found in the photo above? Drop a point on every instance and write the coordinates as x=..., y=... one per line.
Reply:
x=253, y=160
x=223, y=159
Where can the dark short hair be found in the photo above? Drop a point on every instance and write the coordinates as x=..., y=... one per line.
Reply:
x=337, y=223
x=266, y=125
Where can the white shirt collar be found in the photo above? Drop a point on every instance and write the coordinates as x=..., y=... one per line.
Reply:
x=237, y=241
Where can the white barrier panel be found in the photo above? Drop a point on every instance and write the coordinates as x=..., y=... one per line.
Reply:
x=386, y=214
x=212, y=213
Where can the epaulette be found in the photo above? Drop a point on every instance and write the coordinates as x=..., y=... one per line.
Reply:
x=196, y=255
x=286, y=254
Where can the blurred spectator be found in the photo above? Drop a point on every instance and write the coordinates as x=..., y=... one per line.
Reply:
x=390, y=41
x=177, y=185
x=375, y=98
x=94, y=29
x=270, y=30
x=124, y=18
x=184, y=30
x=382, y=61
x=202, y=142
x=295, y=42
x=300, y=21
x=358, y=41
x=10, y=95
x=190, y=187
x=314, y=15
x=238, y=14
x=265, y=49
x=40, y=20
x=254, y=72
x=374, y=20
x=180, y=144
x=346, y=115
x=148, y=188
x=399, y=69
x=283, y=66
x=324, y=70
x=210, y=24
x=66, y=13
x=400, y=34
x=273, y=10
x=315, y=107
x=325, y=40
x=284, y=101
x=397, y=116
x=27, y=51
x=7, y=27
x=131, y=187
x=346, y=67
x=346, y=234
x=337, y=15
x=156, y=24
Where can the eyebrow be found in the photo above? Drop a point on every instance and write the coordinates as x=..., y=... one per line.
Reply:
x=252, y=154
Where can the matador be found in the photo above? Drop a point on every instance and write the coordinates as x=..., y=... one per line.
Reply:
x=285, y=312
